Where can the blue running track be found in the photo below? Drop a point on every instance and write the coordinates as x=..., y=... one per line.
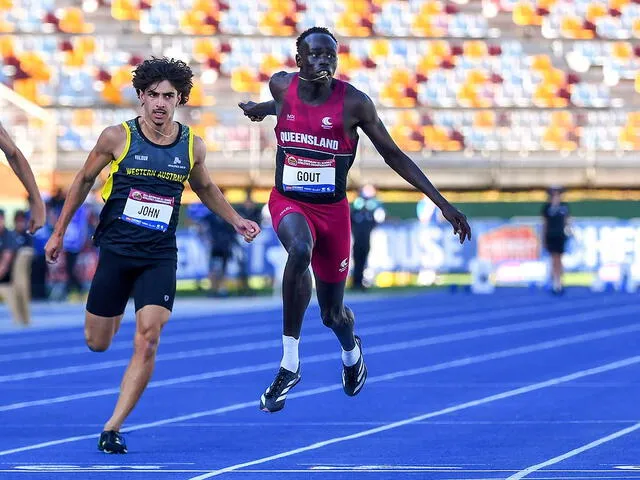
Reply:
x=518, y=384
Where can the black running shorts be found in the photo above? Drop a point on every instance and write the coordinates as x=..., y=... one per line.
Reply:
x=555, y=243
x=118, y=277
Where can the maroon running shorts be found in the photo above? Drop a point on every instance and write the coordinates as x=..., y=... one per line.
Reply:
x=330, y=226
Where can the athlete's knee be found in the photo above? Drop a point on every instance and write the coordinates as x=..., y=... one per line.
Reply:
x=300, y=254
x=337, y=317
x=96, y=342
x=146, y=341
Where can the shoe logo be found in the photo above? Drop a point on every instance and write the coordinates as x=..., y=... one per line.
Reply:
x=290, y=116
x=343, y=265
x=326, y=123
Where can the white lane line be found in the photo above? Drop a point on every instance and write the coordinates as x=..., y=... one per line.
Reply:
x=241, y=315
x=328, y=388
x=574, y=452
x=445, y=411
x=322, y=337
x=172, y=337
x=461, y=336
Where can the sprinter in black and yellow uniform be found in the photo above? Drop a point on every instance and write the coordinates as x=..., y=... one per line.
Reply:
x=151, y=158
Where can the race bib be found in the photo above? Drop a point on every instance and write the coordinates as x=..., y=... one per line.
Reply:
x=148, y=210
x=307, y=175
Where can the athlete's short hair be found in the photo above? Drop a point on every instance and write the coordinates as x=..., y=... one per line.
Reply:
x=157, y=69
x=310, y=31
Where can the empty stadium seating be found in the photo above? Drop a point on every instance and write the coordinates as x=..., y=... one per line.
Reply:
x=446, y=76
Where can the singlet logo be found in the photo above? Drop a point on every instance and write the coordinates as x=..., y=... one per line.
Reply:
x=177, y=160
x=142, y=158
x=290, y=116
x=326, y=123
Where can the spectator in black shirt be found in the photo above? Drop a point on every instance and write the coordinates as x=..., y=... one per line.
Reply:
x=253, y=212
x=555, y=215
x=8, y=247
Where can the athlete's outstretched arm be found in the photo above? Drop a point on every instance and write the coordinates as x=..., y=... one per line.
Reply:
x=110, y=141
x=21, y=168
x=278, y=85
x=368, y=120
x=257, y=111
x=211, y=196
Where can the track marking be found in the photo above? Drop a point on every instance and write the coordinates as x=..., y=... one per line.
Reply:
x=307, y=393
x=445, y=411
x=574, y=452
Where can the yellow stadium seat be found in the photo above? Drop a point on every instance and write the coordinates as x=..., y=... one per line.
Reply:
x=72, y=21
x=524, y=14
x=83, y=117
x=122, y=77
x=270, y=64
x=111, y=94
x=439, y=49
x=348, y=63
x=484, y=119
x=32, y=63
x=595, y=10
x=431, y=7
x=475, y=49
x=618, y=4
x=27, y=88
x=244, y=80
x=7, y=46
x=206, y=6
x=540, y=63
x=6, y=4
x=622, y=51
x=546, y=4
x=562, y=119
x=379, y=49
x=554, y=76
x=359, y=7
x=427, y=64
x=636, y=83
x=571, y=27
x=629, y=138
x=635, y=27
x=633, y=119
x=124, y=10
x=402, y=135
x=477, y=77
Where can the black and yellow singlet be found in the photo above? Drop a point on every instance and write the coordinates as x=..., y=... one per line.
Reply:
x=142, y=195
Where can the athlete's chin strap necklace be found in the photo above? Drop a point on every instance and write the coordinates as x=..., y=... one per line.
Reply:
x=316, y=78
x=173, y=131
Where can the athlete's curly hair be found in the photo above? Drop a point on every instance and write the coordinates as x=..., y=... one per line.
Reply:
x=155, y=70
x=311, y=30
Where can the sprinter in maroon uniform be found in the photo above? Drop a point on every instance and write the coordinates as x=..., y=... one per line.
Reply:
x=318, y=118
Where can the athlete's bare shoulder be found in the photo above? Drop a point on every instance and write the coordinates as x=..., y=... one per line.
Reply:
x=199, y=149
x=112, y=140
x=357, y=103
x=279, y=83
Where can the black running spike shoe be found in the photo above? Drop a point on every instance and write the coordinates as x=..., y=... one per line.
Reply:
x=112, y=442
x=272, y=400
x=353, y=377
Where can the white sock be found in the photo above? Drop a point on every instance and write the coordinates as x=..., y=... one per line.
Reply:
x=290, y=359
x=351, y=357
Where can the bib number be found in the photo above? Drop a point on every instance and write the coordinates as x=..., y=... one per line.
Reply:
x=307, y=175
x=148, y=210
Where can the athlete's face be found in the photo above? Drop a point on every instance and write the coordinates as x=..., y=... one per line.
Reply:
x=318, y=55
x=159, y=102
